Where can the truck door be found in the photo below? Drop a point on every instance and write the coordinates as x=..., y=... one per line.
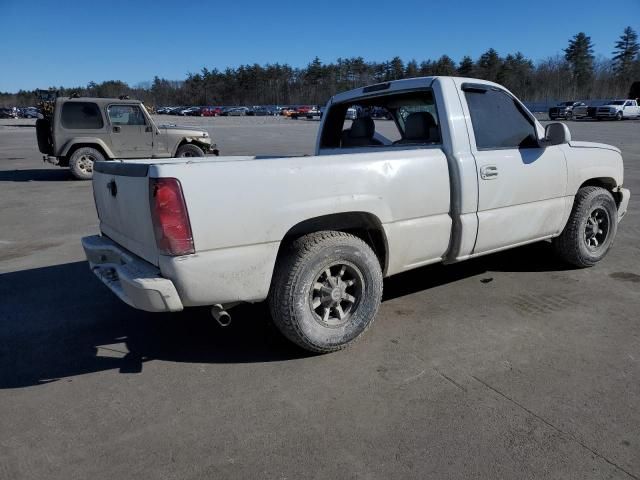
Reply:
x=131, y=135
x=630, y=109
x=521, y=185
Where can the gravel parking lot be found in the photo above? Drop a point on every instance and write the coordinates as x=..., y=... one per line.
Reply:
x=509, y=366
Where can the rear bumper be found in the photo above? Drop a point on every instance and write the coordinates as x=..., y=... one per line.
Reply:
x=625, y=194
x=135, y=281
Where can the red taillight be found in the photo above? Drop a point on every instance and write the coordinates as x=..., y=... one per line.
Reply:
x=170, y=217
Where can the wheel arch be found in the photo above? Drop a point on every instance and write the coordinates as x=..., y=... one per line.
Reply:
x=74, y=144
x=608, y=183
x=363, y=225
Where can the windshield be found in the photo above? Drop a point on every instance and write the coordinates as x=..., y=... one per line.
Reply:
x=617, y=102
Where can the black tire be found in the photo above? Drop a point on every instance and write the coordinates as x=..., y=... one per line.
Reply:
x=619, y=116
x=300, y=281
x=594, y=207
x=189, y=150
x=82, y=160
x=43, y=134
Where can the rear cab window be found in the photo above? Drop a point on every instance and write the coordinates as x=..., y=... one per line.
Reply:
x=81, y=116
x=398, y=119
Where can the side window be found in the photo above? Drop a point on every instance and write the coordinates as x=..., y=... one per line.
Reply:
x=81, y=115
x=126, y=115
x=498, y=121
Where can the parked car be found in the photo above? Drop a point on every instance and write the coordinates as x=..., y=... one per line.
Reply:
x=318, y=251
x=211, y=111
x=8, y=113
x=28, y=112
x=194, y=112
x=163, y=110
x=235, y=112
x=83, y=131
x=352, y=113
x=619, y=110
x=287, y=111
x=176, y=110
x=564, y=110
x=260, y=111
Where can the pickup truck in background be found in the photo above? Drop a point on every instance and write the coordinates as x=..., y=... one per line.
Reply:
x=619, y=110
x=463, y=170
x=564, y=110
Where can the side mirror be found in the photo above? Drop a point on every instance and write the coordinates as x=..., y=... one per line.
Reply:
x=556, y=134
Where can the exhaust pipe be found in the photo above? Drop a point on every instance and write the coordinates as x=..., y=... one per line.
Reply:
x=221, y=315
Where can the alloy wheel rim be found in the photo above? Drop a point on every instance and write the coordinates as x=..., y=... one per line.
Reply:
x=85, y=163
x=596, y=229
x=336, y=294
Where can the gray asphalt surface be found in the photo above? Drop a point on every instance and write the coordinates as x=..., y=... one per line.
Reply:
x=509, y=366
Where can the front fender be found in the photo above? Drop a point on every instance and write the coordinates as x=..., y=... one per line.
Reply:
x=589, y=162
x=64, y=151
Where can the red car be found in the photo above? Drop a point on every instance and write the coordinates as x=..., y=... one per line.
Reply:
x=210, y=111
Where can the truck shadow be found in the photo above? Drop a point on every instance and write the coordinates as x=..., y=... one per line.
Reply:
x=58, y=322
x=36, y=175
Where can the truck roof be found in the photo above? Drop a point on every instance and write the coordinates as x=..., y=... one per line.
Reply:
x=404, y=84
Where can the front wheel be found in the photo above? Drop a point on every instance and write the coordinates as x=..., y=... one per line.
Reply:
x=326, y=290
x=82, y=160
x=189, y=150
x=591, y=228
x=619, y=116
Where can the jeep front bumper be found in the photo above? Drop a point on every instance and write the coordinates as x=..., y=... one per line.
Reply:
x=135, y=281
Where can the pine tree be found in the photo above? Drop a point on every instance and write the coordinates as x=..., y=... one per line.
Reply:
x=465, y=69
x=625, y=54
x=411, y=70
x=579, y=54
x=489, y=65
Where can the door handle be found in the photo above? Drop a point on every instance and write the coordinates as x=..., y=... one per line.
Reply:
x=488, y=172
x=116, y=129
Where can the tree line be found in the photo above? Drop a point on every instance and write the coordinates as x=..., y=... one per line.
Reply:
x=577, y=74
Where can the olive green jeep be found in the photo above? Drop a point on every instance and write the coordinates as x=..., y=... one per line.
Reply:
x=76, y=132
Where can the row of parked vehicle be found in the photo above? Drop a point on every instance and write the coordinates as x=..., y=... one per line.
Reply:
x=307, y=111
x=611, y=109
x=16, y=112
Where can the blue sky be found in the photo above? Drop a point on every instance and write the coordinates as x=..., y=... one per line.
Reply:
x=70, y=43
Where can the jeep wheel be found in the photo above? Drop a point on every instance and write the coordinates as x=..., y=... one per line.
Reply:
x=82, y=160
x=326, y=290
x=189, y=150
x=591, y=228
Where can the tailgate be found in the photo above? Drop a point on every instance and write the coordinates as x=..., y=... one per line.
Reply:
x=121, y=192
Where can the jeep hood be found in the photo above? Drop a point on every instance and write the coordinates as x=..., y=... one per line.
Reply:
x=603, y=146
x=182, y=127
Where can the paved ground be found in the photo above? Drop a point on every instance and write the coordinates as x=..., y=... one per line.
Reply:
x=510, y=366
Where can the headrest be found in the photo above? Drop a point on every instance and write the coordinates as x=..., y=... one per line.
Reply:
x=417, y=125
x=362, y=128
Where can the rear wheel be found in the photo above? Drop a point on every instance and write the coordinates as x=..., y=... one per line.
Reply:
x=591, y=229
x=189, y=150
x=326, y=290
x=82, y=160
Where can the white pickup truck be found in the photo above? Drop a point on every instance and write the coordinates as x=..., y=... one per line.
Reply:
x=618, y=110
x=462, y=169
